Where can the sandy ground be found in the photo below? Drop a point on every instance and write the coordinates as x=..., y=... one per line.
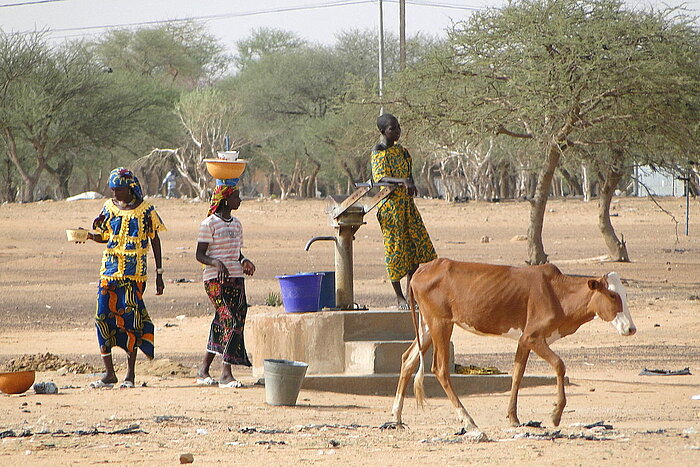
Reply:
x=47, y=293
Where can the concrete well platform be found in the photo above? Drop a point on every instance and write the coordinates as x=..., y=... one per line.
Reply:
x=355, y=352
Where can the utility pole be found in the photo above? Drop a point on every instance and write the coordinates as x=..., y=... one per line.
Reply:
x=381, y=54
x=402, y=34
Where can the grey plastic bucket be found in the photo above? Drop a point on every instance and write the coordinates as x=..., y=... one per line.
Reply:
x=283, y=379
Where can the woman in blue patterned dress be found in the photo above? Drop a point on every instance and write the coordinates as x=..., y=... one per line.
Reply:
x=127, y=224
x=406, y=241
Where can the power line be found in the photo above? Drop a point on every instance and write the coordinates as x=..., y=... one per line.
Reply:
x=29, y=3
x=441, y=5
x=216, y=16
x=250, y=13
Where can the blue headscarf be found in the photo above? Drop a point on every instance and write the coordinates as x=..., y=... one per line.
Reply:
x=227, y=181
x=121, y=177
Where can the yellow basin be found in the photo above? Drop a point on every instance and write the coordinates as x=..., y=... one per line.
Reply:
x=223, y=169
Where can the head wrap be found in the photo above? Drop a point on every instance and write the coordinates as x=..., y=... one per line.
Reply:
x=220, y=193
x=384, y=120
x=121, y=177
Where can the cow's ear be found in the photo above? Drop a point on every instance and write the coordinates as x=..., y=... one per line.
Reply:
x=594, y=284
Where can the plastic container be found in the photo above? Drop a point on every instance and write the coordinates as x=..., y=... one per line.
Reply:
x=283, y=380
x=223, y=169
x=76, y=235
x=301, y=292
x=327, y=299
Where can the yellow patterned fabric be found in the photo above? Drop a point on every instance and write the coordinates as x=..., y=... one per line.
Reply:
x=406, y=241
x=128, y=233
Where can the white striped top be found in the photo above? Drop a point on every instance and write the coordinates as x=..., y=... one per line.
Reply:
x=225, y=239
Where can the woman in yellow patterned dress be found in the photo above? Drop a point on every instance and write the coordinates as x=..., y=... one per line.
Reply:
x=127, y=224
x=406, y=241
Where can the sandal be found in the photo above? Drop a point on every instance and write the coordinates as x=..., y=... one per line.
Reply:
x=99, y=384
x=126, y=385
x=231, y=384
x=208, y=381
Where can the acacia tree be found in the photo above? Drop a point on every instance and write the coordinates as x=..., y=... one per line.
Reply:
x=59, y=102
x=265, y=41
x=19, y=56
x=544, y=71
x=284, y=95
x=207, y=118
x=182, y=54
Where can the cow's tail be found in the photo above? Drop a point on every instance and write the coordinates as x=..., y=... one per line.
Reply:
x=418, y=390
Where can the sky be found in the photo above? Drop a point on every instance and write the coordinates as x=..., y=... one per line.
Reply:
x=233, y=20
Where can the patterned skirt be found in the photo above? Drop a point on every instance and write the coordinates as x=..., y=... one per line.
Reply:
x=226, y=332
x=406, y=240
x=122, y=319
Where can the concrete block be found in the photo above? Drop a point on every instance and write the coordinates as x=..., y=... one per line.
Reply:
x=333, y=342
x=369, y=357
x=313, y=338
x=378, y=325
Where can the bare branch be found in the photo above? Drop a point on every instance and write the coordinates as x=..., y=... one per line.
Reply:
x=501, y=130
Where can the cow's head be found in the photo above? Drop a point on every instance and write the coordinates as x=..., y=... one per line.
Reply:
x=610, y=303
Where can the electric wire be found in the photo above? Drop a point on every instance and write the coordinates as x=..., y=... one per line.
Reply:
x=220, y=16
x=5, y=5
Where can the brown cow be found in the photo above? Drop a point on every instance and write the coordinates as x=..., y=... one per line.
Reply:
x=535, y=305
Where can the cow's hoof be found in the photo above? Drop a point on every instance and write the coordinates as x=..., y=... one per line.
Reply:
x=392, y=426
x=556, y=418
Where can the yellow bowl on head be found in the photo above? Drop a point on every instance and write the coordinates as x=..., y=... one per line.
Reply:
x=16, y=382
x=223, y=169
x=76, y=235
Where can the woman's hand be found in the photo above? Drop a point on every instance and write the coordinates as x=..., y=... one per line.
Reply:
x=160, y=285
x=248, y=267
x=222, y=271
x=411, y=187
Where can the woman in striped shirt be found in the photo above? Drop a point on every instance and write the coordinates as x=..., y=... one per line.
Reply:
x=219, y=246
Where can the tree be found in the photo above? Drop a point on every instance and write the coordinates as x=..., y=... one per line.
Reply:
x=183, y=54
x=265, y=41
x=207, y=119
x=284, y=95
x=58, y=102
x=544, y=71
x=19, y=56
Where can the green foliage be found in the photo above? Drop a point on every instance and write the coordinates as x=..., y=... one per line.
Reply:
x=265, y=41
x=273, y=299
x=59, y=103
x=590, y=75
x=183, y=54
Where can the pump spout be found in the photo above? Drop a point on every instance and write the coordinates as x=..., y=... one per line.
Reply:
x=316, y=239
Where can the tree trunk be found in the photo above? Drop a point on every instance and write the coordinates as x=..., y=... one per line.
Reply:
x=313, y=178
x=617, y=248
x=280, y=179
x=62, y=175
x=586, y=184
x=574, y=186
x=27, y=191
x=538, y=205
x=351, y=179
x=427, y=180
x=9, y=189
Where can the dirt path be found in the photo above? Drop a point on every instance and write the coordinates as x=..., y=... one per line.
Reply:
x=47, y=292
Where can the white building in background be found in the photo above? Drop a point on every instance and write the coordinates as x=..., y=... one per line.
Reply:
x=660, y=182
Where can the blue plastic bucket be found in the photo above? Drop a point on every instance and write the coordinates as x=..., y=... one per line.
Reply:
x=327, y=290
x=301, y=292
